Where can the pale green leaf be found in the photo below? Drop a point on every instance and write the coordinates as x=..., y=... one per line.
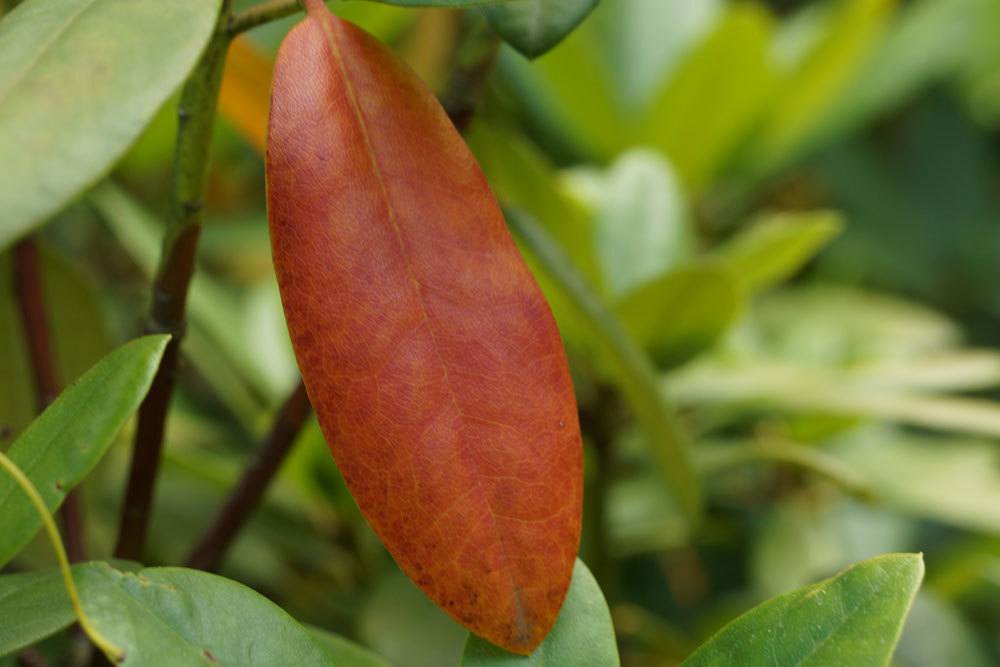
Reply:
x=642, y=226
x=852, y=619
x=775, y=246
x=60, y=447
x=851, y=34
x=79, y=79
x=952, y=480
x=715, y=97
x=583, y=635
x=645, y=40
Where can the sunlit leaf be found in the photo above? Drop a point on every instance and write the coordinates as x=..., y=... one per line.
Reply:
x=850, y=35
x=716, y=95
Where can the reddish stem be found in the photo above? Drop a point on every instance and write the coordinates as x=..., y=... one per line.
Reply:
x=30, y=296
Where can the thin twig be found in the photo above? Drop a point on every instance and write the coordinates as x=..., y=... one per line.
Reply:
x=30, y=296
x=244, y=499
x=265, y=12
x=196, y=118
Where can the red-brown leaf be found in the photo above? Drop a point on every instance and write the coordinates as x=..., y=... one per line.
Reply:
x=427, y=349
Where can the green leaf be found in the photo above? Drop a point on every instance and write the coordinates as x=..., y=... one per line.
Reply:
x=809, y=91
x=632, y=370
x=852, y=619
x=401, y=623
x=951, y=480
x=642, y=226
x=535, y=26
x=79, y=79
x=60, y=447
x=583, y=635
x=344, y=652
x=645, y=41
x=683, y=313
x=715, y=97
x=774, y=247
x=34, y=605
x=577, y=120
x=169, y=616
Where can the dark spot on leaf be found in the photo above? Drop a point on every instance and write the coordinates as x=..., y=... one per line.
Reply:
x=59, y=487
x=209, y=655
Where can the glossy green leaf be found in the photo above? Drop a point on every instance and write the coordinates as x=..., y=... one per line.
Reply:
x=852, y=619
x=632, y=370
x=683, y=313
x=79, y=79
x=168, y=616
x=60, y=447
x=642, y=226
x=535, y=26
x=774, y=247
x=583, y=635
x=715, y=96
x=343, y=652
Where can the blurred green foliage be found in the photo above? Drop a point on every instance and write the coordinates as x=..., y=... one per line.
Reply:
x=791, y=209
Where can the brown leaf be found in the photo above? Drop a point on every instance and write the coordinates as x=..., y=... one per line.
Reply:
x=427, y=349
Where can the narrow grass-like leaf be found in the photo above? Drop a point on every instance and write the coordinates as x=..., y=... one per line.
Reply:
x=60, y=447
